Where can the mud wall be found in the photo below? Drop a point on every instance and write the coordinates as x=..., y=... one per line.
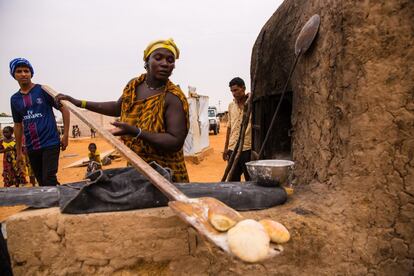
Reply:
x=149, y=242
x=156, y=242
x=353, y=121
x=352, y=89
x=44, y=242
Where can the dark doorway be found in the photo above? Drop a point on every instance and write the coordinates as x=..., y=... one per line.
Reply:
x=279, y=144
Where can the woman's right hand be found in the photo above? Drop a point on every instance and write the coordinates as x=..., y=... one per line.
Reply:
x=63, y=97
x=124, y=129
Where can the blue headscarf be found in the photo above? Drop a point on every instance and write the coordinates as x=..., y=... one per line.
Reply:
x=18, y=62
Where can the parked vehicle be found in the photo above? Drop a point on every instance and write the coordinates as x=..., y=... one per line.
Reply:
x=213, y=120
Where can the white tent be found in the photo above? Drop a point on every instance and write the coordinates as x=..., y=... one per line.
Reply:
x=197, y=139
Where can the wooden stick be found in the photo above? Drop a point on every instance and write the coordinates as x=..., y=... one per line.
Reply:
x=230, y=161
x=245, y=122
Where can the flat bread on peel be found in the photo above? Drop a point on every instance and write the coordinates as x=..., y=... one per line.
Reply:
x=222, y=217
x=249, y=241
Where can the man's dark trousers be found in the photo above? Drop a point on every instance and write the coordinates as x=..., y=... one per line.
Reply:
x=241, y=168
x=45, y=163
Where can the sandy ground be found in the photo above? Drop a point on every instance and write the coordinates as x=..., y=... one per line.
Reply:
x=210, y=169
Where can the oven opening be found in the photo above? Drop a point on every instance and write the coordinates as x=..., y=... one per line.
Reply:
x=279, y=143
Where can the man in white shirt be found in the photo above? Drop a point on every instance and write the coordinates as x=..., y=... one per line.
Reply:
x=235, y=117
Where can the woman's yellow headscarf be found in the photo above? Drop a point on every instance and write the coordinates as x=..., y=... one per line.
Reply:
x=167, y=44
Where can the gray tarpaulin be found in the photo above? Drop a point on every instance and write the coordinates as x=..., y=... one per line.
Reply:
x=126, y=189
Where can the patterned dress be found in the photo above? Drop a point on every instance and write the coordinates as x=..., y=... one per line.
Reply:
x=29, y=170
x=12, y=173
x=148, y=114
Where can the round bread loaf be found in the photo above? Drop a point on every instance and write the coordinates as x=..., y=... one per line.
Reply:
x=276, y=231
x=222, y=217
x=249, y=241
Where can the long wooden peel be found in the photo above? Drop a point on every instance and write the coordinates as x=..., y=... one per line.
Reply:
x=194, y=211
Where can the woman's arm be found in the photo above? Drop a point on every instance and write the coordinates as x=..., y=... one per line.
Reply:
x=106, y=108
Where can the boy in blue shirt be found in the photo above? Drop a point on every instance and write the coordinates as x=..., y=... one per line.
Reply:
x=33, y=114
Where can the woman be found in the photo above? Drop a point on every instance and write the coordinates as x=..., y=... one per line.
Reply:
x=153, y=111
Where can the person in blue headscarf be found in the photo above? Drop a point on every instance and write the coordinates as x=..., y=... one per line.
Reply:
x=33, y=116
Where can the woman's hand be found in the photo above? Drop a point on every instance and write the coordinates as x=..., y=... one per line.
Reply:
x=63, y=97
x=124, y=129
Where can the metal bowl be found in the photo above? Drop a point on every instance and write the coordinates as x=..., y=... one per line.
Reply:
x=271, y=172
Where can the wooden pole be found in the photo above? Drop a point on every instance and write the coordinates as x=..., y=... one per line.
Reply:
x=235, y=156
x=245, y=123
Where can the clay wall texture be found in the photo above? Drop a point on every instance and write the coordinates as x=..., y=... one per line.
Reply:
x=156, y=242
x=353, y=119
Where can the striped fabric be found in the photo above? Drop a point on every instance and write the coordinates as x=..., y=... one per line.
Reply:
x=34, y=110
x=148, y=114
x=19, y=62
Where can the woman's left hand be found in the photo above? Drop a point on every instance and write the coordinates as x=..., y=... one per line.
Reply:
x=123, y=129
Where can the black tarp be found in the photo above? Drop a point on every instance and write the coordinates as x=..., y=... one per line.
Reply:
x=126, y=189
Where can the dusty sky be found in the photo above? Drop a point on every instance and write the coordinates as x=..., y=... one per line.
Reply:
x=91, y=48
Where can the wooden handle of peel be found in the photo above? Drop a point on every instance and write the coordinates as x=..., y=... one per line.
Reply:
x=153, y=176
